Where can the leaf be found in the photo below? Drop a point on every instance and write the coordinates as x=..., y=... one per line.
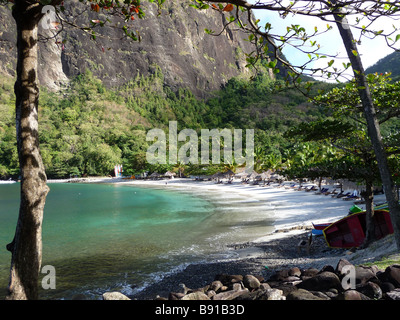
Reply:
x=355, y=52
x=228, y=8
x=397, y=38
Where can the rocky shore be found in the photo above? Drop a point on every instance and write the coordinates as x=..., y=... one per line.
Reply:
x=278, y=270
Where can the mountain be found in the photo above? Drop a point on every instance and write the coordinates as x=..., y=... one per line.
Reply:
x=390, y=63
x=174, y=41
x=114, y=90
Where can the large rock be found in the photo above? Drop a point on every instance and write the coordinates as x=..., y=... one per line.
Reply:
x=216, y=285
x=321, y=282
x=340, y=265
x=353, y=295
x=371, y=290
x=302, y=294
x=230, y=295
x=392, y=274
x=260, y=294
x=175, y=41
x=365, y=274
x=393, y=295
x=114, y=296
x=251, y=282
x=198, y=295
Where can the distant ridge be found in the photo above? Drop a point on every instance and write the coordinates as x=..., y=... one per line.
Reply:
x=390, y=63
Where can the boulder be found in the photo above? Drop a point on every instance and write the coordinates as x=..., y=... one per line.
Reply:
x=327, y=268
x=114, y=296
x=280, y=275
x=321, y=295
x=251, y=282
x=321, y=282
x=176, y=296
x=308, y=273
x=265, y=286
x=198, y=295
x=268, y=294
x=393, y=295
x=340, y=265
x=353, y=295
x=295, y=271
x=272, y=294
x=365, y=274
x=227, y=280
x=216, y=285
x=230, y=295
x=387, y=287
x=371, y=290
x=286, y=288
x=302, y=294
x=392, y=274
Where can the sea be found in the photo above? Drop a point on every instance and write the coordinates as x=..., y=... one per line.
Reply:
x=112, y=237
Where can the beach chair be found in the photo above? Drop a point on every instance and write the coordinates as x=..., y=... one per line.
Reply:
x=311, y=188
x=323, y=190
x=342, y=195
x=333, y=192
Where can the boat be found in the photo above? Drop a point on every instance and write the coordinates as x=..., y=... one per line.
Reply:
x=349, y=232
x=319, y=227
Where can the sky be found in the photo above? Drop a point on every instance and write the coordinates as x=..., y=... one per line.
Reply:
x=371, y=50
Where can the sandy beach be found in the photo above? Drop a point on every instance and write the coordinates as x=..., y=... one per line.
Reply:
x=291, y=208
x=294, y=212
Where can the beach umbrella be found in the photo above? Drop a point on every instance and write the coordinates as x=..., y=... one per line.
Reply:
x=154, y=175
x=169, y=174
x=243, y=174
x=228, y=173
x=253, y=175
x=265, y=175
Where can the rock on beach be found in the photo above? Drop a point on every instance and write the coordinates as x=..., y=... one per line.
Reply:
x=295, y=283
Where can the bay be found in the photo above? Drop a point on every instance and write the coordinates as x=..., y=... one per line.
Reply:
x=102, y=237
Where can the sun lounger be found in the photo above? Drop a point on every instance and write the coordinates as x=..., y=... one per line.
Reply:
x=342, y=195
x=333, y=192
x=310, y=188
x=323, y=190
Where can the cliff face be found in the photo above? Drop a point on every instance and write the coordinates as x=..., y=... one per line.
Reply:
x=175, y=41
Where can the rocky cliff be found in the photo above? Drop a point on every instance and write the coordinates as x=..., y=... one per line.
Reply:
x=175, y=41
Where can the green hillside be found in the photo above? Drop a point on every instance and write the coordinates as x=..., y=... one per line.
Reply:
x=390, y=63
x=87, y=129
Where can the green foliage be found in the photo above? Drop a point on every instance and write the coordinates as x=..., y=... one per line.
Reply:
x=87, y=129
x=347, y=132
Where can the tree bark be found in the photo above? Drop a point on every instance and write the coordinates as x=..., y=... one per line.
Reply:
x=369, y=214
x=26, y=247
x=372, y=123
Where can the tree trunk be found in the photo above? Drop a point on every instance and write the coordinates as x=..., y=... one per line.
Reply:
x=372, y=123
x=26, y=247
x=369, y=218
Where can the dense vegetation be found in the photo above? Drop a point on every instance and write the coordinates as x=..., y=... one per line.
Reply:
x=86, y=129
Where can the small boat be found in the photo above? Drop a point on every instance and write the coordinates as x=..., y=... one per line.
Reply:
x=319, y=227
x=349, y=231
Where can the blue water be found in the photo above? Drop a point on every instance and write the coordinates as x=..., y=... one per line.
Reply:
x=102, y=237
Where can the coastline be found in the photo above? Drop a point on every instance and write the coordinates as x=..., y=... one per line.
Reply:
x=295, y=211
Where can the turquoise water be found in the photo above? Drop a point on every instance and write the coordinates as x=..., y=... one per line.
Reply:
x=103, y=237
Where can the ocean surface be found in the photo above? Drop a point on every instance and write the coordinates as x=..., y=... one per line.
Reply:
x=102, y=237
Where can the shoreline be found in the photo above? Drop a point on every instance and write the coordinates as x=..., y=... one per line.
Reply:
x=295, y=211
x=292, y=208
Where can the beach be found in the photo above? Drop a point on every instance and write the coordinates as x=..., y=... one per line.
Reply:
x=294, y=215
